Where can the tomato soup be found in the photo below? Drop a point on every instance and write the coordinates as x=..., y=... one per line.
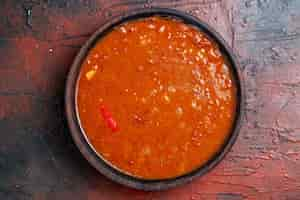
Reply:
x=156, y=98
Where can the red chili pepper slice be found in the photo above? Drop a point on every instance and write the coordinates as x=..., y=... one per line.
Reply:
x=107, y=116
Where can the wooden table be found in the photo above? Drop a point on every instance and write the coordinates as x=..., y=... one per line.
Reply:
x=38, y=41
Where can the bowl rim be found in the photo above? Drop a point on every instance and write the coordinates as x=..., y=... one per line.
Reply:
x=79, y=137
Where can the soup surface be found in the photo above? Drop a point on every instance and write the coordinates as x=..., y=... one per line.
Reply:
x=156, y=98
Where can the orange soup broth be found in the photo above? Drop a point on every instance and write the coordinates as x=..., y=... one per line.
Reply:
x=170, y=96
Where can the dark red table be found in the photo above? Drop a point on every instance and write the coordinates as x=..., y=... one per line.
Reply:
x=38, y=41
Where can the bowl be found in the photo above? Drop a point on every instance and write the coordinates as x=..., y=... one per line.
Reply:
x=81, y=139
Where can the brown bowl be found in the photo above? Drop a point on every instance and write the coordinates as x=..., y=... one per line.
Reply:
x=81, y=139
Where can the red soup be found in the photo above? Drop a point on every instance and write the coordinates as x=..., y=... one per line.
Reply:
x=156, y=98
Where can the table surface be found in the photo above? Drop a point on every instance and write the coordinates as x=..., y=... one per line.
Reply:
x=38, y=41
